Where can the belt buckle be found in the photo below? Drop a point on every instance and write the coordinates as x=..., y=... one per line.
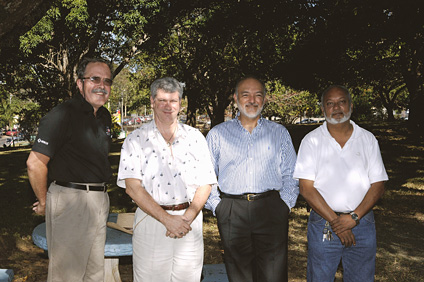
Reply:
x=248, y=197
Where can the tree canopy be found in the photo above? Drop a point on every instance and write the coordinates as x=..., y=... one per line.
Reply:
x=373, y=47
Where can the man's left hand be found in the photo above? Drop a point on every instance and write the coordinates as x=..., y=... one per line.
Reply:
x=342, y=223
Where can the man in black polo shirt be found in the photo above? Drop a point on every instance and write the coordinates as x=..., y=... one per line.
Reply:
x=71, y=153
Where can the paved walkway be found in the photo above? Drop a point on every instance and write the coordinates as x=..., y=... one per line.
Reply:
x=214, y=273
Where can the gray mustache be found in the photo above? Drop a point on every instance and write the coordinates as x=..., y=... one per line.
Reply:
x=99, y=90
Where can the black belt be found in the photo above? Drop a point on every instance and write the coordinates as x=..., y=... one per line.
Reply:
x=96, y=187
x=340, y=213
x=250, y=196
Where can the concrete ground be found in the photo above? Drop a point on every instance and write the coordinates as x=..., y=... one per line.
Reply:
x=214, y=273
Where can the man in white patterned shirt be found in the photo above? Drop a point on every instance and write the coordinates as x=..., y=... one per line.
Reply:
x=254, y=160
x=167, y=171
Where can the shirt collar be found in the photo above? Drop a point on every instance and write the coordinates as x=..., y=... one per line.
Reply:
x=84, y=106
x=181, y=131
x=354, y=135
x=260, y=121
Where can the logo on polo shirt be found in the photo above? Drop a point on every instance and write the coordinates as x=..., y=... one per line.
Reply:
x=42, y=141
x=108, y=131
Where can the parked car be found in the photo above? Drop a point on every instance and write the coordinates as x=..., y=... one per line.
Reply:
x=306, y=120
x=12, y=132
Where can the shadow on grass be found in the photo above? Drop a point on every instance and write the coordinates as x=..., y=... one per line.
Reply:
x=399, y=214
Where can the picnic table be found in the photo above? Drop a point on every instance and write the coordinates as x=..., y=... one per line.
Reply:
x=118, y=244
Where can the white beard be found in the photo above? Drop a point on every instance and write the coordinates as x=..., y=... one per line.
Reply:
x=250, y=115
x=345, y=118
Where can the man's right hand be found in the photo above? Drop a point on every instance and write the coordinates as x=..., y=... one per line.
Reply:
x=347, y=238
x=38, y=208
x=176, y=226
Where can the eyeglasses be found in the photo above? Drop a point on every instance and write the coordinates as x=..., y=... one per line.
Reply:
x=98, y=80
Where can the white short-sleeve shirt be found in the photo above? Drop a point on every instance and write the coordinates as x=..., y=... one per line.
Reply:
x=168, y=178
x=341, y=175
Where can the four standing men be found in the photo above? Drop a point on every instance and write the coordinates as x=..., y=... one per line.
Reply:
x=254, y=160
x=71, y=151
x=341, y=176
x=167, y=170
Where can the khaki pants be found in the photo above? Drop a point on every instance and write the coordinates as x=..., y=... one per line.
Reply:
x=76, y=234
x=157, y=258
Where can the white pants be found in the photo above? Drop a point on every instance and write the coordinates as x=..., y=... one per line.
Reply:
x=160, y=258
x=76, y=234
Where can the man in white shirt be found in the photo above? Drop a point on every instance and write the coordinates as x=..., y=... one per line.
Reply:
x=341, y=176
x=167, y=171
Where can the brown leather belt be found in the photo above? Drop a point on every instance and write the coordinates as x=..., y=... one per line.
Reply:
x=250, y=196
x=178, y=207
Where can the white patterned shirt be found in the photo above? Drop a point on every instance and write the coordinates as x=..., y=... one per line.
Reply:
x=169, y=179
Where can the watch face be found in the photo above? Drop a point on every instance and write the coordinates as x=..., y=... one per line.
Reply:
x=354, y=216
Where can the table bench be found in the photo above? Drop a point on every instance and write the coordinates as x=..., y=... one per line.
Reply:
x=6, y=275
x=118, y=244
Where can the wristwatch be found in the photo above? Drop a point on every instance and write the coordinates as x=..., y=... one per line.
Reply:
x=355, y=217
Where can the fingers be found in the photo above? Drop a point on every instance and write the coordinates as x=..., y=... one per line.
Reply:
x=177, y=226
x=38, y=209
x=342, y=223
x=347, y=238
x=175, y=236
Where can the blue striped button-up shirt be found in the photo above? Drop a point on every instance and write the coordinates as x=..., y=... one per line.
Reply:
x=252, y=162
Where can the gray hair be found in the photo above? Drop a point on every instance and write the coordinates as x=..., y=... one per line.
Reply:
x=250, y=77
x=85, y=61
x=340, y=87
x=167, y=84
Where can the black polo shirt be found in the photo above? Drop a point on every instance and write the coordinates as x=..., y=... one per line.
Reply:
x=76, y=141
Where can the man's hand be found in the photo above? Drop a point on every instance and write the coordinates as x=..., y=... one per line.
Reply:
x=177, y=226
x=347, y=238
x=38, y=208
x=199, y=200
x=342, y=223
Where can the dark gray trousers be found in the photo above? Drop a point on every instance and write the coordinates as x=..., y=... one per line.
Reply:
x=254, y=236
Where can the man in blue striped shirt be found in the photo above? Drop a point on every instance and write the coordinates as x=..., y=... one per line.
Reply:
x=254, y=160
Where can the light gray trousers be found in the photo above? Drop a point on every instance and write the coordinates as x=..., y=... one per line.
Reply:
x=76, y=234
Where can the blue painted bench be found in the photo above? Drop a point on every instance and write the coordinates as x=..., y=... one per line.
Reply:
x=118, y=244
x=6, y=275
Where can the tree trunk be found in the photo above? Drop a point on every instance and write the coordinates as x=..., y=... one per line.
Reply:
x=416, y=113
x=412, y=74
x=390, y=116
x=218, y=114
x=191, y=110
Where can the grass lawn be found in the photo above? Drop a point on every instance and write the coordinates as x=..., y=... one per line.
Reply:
x=399, y=214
